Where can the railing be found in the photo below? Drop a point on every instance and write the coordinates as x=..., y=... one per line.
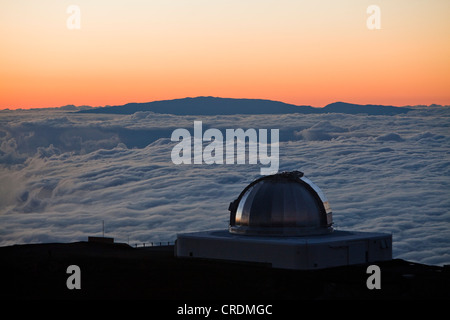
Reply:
x=154, y=244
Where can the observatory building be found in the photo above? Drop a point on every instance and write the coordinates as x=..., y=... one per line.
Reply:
x=286, y=221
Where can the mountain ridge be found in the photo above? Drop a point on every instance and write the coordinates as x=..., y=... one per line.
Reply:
x=229, y=106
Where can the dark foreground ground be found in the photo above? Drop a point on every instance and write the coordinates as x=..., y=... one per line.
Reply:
x=118, y=271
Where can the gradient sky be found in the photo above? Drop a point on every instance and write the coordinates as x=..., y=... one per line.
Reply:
x=310, y=52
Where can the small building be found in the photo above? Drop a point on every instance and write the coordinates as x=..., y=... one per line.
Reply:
x=285, y=220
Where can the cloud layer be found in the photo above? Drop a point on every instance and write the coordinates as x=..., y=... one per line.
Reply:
x=62, y=173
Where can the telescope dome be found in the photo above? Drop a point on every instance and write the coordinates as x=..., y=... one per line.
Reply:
x=283, y=204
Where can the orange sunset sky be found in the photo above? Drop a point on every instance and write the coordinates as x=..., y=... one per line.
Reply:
x=310, y=52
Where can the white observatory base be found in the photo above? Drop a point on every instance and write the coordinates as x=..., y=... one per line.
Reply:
x=338, y=248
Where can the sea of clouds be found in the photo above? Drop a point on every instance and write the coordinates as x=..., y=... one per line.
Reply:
x=63, y=173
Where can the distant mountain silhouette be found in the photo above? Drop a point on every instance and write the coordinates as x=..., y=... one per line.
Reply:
x=229, y=106
x=207, y=106
x=71, y=107
x=342, y=107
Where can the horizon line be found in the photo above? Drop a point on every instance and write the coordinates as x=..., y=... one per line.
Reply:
x=217, y=97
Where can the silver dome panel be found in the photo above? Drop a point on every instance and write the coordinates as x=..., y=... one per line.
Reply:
x=284, y=204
